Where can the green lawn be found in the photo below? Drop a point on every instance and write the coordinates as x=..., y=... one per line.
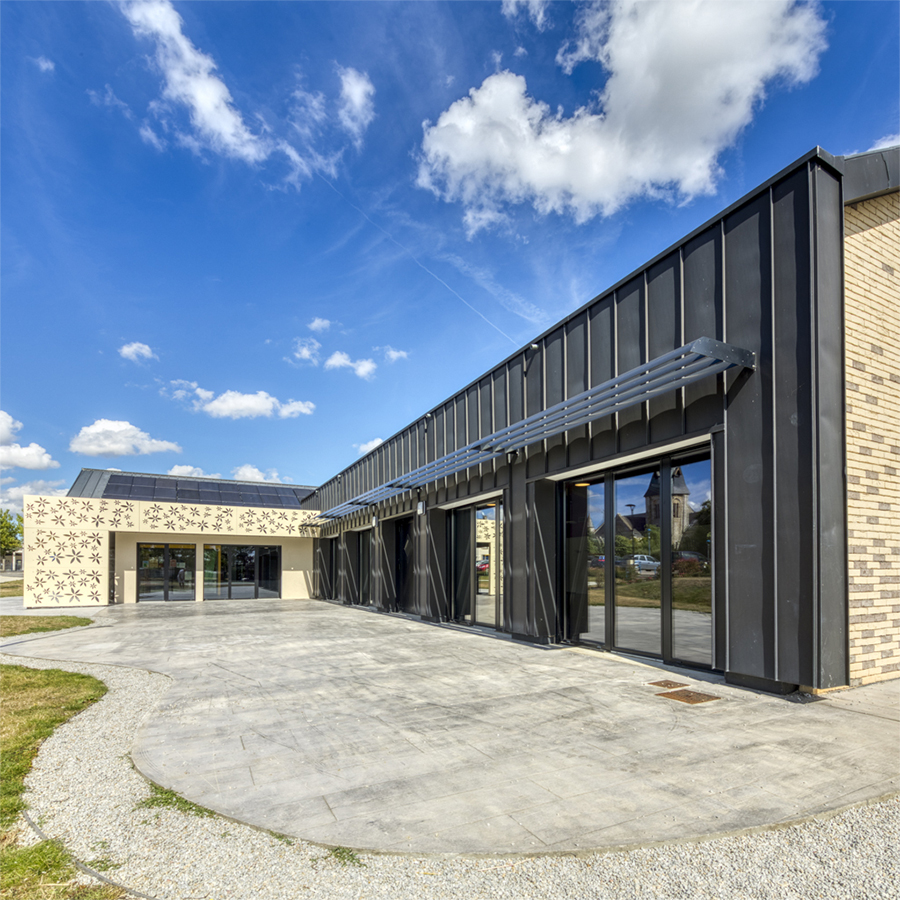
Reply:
x=689, y=593
x=13, y=625
x=12, y=588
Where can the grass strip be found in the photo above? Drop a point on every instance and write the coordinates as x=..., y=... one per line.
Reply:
x=12, y=588
x=34, y=702
x=163, y=798
x=13, y=625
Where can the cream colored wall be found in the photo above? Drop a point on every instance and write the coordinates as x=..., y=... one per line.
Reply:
x=872, y=300
x=67, y=544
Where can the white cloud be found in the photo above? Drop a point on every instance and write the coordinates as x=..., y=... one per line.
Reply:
x=684, y=79
x=192, y=472
x=149, y=136
x=319, y=324
x=190, y=80
x=109, y=98
x=536, y=10
x=136, y=351
x=889, y=140
x=294, y=408
x=15, y=456
x=34, y=456
x=364, y=368
x=11, y=495
x=237, y=405
x=109, y=437
x=44, y=64
x=8, y=427
x=392, y=355
x=307, y=350
x=364, y=448
x=356, y=109
x=248, y=472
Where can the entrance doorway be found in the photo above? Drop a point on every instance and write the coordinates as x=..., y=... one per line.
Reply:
x=476, y=552
x=166, y=572
x=405, y=564
x=238, y=572
x=639, y=559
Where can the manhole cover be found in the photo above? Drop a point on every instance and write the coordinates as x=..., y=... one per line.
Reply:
x=691, y=697
x=667, y=684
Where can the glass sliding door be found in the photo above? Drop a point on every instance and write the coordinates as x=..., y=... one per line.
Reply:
x=237, y=572
x=243, y=573
x=182, y=564
x=215, y=572
x=639, y=560
x=269, y=563
x=151, y=572
x=585, y=613
x=692, y=561
x=166, y=571
x=488, y=574
x=638, y=585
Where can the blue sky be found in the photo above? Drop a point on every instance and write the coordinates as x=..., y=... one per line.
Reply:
x=250, y=239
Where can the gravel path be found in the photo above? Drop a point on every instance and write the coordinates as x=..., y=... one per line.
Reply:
x=83, y=790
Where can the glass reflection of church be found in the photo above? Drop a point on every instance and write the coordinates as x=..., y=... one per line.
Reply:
x=681, y=509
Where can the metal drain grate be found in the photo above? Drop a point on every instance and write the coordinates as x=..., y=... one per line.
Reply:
x=691, y=697
x=667, y=684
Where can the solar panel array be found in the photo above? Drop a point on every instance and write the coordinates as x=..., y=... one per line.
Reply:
x=131, y=486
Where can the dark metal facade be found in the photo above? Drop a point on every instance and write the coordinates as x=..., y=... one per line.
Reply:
x=765, y=276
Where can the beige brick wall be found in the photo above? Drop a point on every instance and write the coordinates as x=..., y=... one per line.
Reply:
x=872, y=291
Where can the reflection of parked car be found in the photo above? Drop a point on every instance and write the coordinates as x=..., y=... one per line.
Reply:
x=690, y=554
x=596, y=562
x=644, y=564
x=482, y=567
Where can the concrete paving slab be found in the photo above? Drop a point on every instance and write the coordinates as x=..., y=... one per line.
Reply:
x=377, y=732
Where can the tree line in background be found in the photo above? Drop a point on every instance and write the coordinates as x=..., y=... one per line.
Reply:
x=10, y=532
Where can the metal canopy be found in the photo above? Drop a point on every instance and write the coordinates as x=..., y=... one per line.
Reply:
x=677, y=369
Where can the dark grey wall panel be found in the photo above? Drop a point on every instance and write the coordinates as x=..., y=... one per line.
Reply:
x=350, y=591
x=517, y=549
x=833, y=661
x=386, y=568
x=748, y=315
x=577, y=374
x=794, y=465
x=474, y=431
x=437, y=599
x=663, y=335
x=516, y=389
x=555, y=392
x=603, y=367
x=542, y=541
x=630, y=344
x=499, y=398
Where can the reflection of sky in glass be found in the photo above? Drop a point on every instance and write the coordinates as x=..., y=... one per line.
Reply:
x=696, y=477
x=595, y=505
x=632, y=490
x=486, y=512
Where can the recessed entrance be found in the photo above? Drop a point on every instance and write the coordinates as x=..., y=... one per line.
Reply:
x=476, y=538
x=639, y=561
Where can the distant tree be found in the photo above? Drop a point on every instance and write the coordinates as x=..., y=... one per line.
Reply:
x=10, y=532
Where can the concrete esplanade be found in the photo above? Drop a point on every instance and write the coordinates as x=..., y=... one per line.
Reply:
x=377, y=732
